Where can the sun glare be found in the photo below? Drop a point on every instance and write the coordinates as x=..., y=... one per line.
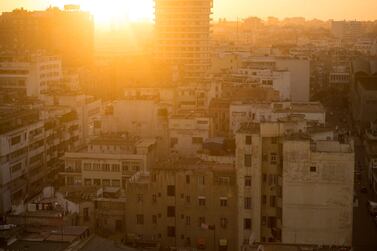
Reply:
x=119, y=11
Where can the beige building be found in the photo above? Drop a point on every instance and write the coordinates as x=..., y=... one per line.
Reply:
x=185, y=203
x=187, y=132
x=317, y=186
x=109, y=161
x=305, y=199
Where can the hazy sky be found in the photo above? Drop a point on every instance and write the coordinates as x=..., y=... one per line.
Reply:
x=231, y=9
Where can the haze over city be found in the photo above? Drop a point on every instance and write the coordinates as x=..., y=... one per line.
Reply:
x=188, y=125
x=142, y=10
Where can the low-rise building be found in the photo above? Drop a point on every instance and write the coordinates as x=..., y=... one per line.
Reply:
x=109, y=161
x=188, y=130
x=29, y=75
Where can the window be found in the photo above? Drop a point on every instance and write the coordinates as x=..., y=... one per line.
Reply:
x=188, y=220
x=202, y=220
x=248, y=140
x=313, y=169
x=16, y=167
x=171, y=231
x=247, y=224
x=154, y=198
x=154, y=219
x=247, y=181
x=223, y=223
x=202, y=201
x=187, y=179
x=171, y=211
x=15, y=140
x=264, y=178
x=106, y=167
x=115, y=168
x=273, y=158
x=274, y=140
x=97, y=182
x=247, y=160
x=223, y=180
x=171, y=190
x=188, y=199
x=87, y=166
x=140, y=219
x=106, y=182
x=271, y=222
x=272, y=201
x=223, y=202
x=247, y=203
x=97, y=167
x=197, y=140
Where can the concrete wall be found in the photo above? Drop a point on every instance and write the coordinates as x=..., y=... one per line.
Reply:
x=317, y=205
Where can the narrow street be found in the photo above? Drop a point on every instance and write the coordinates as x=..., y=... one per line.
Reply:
x=364, y=227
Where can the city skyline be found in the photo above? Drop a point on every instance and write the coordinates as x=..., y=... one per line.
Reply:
x=239, y=9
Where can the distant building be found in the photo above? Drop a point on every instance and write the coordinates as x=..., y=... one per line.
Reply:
x=183, y=35
x=346, y=29
x=67, y=33
x=364, y=91
x=29, y=75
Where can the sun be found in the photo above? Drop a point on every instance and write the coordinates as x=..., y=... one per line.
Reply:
x=119, y=11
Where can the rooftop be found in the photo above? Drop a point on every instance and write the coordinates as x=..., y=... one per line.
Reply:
x=193, y=164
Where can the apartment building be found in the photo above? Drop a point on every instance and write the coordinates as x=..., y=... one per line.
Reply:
x=22, y=154
x=243, y=112
x=187, y=203
x=32, y=142
x=87, y=108
x=183, y=35
x=286, y=190
x=29, y=75
x=69, y=33
x=188, y=130
x=109, y=161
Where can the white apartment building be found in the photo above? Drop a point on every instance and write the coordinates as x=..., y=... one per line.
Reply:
x=241, y=112
x=21, y=155
x=187, y=132
x=279, y=80
x=31, y=75
x=299, y=70
x=88, y=109
x=317, y=183
x=109, y=161
x=292, y=189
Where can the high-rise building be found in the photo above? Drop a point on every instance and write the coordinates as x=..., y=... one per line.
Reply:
x=68, y=33
x=183, y=35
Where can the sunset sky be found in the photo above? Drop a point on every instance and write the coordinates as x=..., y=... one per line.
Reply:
x=231, y=9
